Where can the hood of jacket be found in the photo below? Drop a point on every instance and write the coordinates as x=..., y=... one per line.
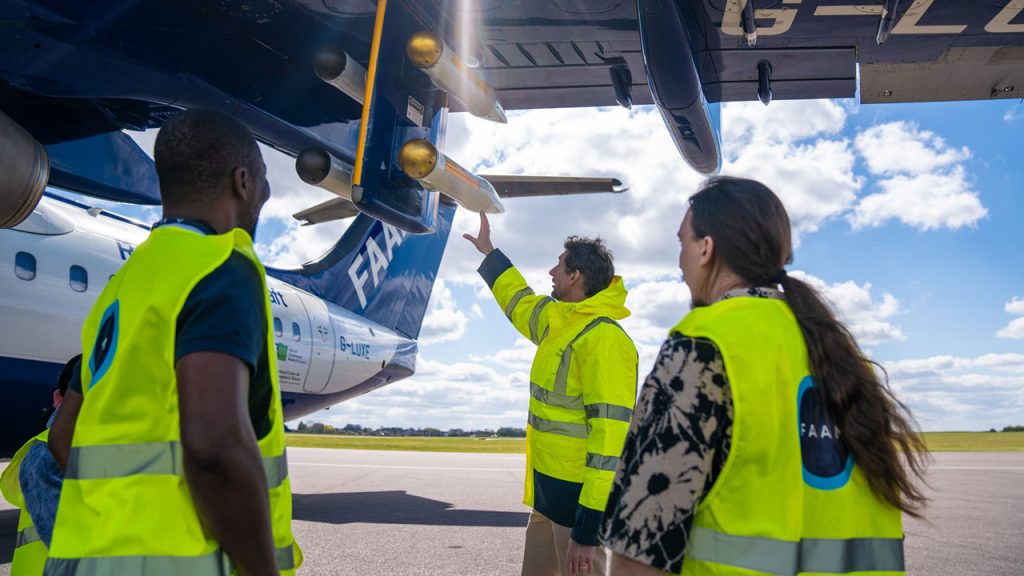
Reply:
x=610, y=302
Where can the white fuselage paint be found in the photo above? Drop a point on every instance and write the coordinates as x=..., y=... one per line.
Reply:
x=321, y=347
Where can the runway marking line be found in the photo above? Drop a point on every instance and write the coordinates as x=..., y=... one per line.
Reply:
x=975, y=468
x=404, y=467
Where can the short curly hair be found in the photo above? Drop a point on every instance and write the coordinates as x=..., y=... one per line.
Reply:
x=196, y=152
x=592, y=259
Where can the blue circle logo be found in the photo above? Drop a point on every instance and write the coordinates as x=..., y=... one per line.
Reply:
x=106, y=344
x=827, y=462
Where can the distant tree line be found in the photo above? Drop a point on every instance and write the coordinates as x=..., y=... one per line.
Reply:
x=1012, y=429
x=357, y=430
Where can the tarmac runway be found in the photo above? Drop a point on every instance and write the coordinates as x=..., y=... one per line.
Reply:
x=372, y=513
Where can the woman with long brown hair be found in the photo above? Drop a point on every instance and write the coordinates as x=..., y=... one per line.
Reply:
x=764, y=441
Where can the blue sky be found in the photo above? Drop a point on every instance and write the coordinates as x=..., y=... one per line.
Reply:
x=908, y=220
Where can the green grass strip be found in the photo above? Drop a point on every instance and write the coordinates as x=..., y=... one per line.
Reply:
x=937, y=442
x=975, y=441
x=415, y=444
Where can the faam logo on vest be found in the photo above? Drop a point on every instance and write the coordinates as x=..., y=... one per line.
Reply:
x=827, y=462
x=106, y=343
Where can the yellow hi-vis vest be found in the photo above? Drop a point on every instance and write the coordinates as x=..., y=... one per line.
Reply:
x=29, y=550
x=789, y=499
x=582, y=385
x=125, y=506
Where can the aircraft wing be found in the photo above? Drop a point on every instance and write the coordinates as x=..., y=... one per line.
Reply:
x=338, y=78
x=570, y=53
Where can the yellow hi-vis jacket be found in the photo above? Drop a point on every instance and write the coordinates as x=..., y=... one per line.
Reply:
x=125, y=506
x=790, y=499
x=29, y=550
x=582, y=394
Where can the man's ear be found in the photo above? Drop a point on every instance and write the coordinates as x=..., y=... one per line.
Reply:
x=707, y=250
x=241, y=183
x=575, y=276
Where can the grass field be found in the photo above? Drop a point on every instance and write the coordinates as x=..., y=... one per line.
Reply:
x=937, y=441
x=416, y=444
x=975, y=441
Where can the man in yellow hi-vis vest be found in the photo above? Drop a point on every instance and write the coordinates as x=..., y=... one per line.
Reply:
x=582, y=392
x=174, y=452
x=32, y=483
x=29, y=548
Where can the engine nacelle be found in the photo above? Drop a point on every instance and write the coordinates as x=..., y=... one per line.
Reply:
x=25, y=166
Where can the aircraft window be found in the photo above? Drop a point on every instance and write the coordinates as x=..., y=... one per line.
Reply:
x=79, y=279
x=24, y=266
x=296, y=333
x=278, y=327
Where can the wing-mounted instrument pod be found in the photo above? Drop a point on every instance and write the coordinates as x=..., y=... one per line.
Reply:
x=337, y=68
x=428, y=52
x=316, y=167
x=421, y=161
x=25, y=166
x=675, y=84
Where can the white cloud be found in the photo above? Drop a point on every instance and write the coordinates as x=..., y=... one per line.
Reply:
x=519, y=356
x=955, y=393
x=468, y=395
x=869, y=320
x=1015, y=329
x=656, y=307
x=1014, y=113
x=799, y=156
x=904, y=148
x=782, y=121
x=445, y=321
x=924, y=201
x=793, y=148
x=922, y=181
x=1015, y=307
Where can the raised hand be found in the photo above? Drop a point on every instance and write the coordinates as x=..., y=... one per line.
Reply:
x=482, y=240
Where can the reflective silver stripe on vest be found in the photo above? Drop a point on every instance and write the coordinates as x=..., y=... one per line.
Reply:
x=276, y=469
x=151, y=458
x=554, y=399
x=608, y=411
x=285, y=558
x=515, y=301
x=121, y=460
x=562, y=376
x=556, y=427
x=791, y=558
x=26, y=536
x=535, y=319
x=214, y=564
x=601, y=462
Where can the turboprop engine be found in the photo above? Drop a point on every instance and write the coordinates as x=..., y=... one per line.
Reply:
x=25, y=166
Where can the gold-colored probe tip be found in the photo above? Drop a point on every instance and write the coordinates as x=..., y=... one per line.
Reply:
x=417, y=158
x=424, y=49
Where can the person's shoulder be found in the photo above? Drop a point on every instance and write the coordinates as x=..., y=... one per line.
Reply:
x=692, y=349
x=237, y=277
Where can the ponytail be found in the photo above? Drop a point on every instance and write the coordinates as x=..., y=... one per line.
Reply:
x=876, y=426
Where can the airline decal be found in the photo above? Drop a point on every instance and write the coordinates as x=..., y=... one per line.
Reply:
x=373, y=259
x=782, y=18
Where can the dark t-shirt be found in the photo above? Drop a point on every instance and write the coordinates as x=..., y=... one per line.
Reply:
x=225, y=313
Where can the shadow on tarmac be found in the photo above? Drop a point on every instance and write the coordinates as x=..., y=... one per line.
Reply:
x=8, y=532
x=395, y=507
